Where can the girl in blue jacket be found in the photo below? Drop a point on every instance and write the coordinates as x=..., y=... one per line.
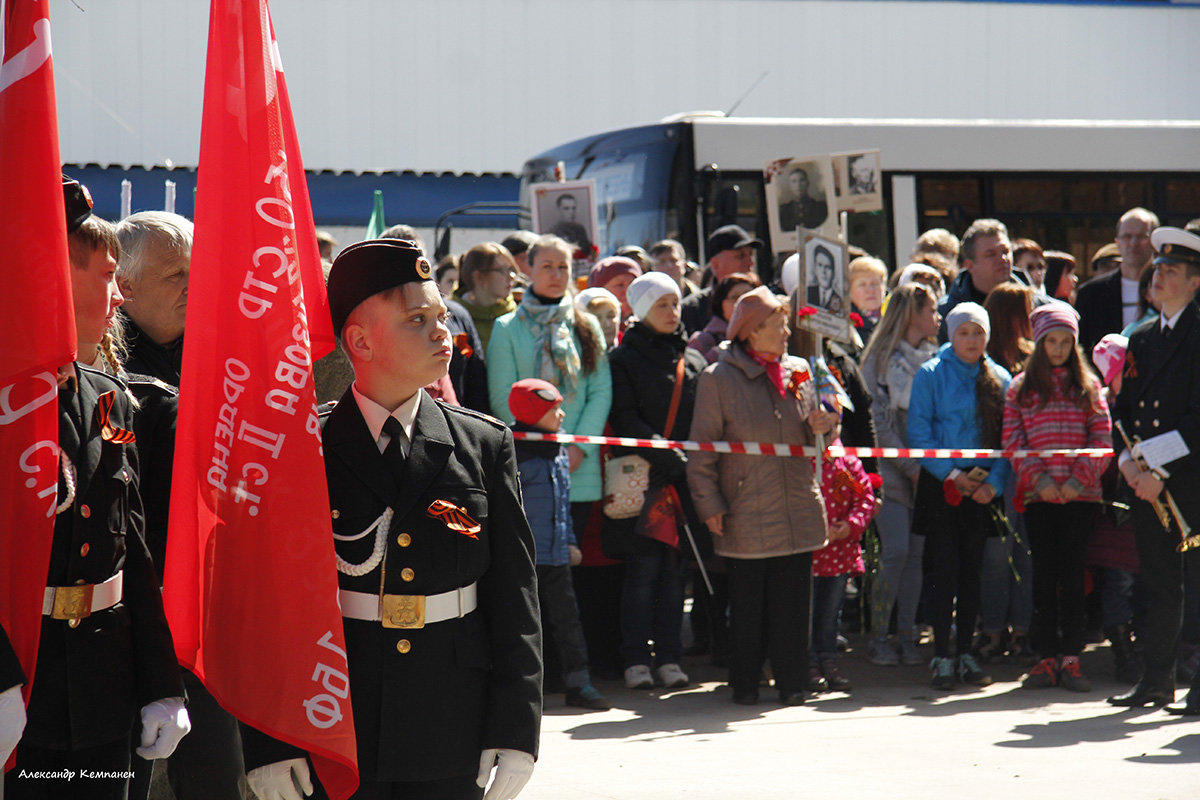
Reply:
x=958, y=402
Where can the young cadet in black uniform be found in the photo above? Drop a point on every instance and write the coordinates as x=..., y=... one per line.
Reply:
x=105, y=649
x=1160, y=396
x=435, y=558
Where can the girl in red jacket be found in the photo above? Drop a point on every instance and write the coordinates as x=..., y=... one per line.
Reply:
x=849, y=507
x=1056, y=403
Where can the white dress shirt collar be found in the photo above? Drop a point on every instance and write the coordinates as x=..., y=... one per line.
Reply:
x=375, y=415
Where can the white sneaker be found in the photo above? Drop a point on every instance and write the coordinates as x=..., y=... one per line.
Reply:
x=671, y=676
x=638, y=677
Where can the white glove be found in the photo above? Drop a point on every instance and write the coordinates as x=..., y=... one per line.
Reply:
x=12, y=722
x=283, y=780
x=513, y=768
x=164, y=723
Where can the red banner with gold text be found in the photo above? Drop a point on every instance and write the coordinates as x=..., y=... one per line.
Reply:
x=251, y=583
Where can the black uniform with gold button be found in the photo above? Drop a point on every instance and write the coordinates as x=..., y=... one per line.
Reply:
x=105, y=649
x=437, y=585
x=1160, y=393
x=428, y=700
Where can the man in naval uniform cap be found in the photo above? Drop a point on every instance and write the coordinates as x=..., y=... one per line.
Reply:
x=1159, y=406
x=435, y=558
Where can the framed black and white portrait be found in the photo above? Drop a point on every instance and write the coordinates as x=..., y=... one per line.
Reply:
x=859, y=179
x=567, y=210
x=826, y=307
x=800, y=200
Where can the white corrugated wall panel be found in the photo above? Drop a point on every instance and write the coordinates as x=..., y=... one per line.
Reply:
x=479, y=85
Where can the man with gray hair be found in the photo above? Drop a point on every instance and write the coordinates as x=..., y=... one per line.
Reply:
x=1108, y=303
x=986, y=259
x=156, y=253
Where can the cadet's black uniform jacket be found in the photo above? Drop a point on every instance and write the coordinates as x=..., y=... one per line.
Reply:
x=428, y=701
x=92, y=680
x=154, y=424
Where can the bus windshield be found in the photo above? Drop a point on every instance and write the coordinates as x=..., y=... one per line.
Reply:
x=633, y=170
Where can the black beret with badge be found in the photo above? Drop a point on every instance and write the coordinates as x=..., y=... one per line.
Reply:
x=78, y=202
x=367, y=268
x=1174, y=245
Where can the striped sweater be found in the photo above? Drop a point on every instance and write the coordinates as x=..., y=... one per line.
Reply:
x=1059, y=424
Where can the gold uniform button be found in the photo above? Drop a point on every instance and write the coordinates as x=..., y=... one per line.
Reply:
x=1156, y=404
x=72, y=623
x=335, y=514
x=1141, y=403
x=1155, y=423
x=407, y=575
x=404, y=540
x=83, y=551
x=85, y=511
x=404, y=645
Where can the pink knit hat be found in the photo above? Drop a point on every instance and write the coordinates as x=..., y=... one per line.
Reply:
x=1109, y=356
x=1052, y=316
x=608, y=268
x=751, y=310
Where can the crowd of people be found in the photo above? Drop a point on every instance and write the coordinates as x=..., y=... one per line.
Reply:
x=979, y=342
x=983, y=342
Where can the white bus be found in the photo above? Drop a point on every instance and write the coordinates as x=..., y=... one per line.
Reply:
x=1062, y=183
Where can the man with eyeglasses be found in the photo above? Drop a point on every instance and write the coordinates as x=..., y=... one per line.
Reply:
x=1108, y=303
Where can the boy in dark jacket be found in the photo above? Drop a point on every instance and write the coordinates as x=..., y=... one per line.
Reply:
x=546, y=488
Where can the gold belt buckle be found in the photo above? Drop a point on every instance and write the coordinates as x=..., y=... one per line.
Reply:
x=72, y=602
x=403, y=611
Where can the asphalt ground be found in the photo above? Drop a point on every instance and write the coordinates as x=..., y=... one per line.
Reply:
x=892, y=736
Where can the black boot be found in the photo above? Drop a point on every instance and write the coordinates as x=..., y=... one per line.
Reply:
x=1120, y=641
x=1190, y=707
x=1146, y=693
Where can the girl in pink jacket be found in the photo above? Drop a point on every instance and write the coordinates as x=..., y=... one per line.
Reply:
x=1056, y=403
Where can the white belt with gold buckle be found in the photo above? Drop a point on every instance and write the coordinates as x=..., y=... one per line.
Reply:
x=408, y=611
x=77, y=602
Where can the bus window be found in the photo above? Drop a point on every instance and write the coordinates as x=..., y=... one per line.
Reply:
x=869, y=230
x=1183, y=200
x=949, y=203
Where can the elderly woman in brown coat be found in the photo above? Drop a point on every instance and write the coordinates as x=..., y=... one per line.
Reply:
x=765, y=511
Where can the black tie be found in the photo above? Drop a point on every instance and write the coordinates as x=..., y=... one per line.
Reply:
x=394, y=452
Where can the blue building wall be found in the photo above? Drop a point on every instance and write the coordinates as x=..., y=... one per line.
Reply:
x=338, y=198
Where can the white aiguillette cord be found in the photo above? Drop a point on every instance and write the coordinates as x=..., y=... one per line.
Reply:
x=68, y=474
x=381, y=526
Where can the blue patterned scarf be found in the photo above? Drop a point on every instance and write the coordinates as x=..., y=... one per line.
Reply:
x=553, y=327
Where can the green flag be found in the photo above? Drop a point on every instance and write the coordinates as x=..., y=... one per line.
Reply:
x=376, y=226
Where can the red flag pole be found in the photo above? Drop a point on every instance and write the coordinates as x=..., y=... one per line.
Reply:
x=39, y=331
x=251, y=583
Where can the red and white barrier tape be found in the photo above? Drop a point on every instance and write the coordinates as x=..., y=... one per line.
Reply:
x=773, y=449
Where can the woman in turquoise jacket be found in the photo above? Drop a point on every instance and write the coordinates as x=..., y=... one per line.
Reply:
x=957, y=402
x=546, y=338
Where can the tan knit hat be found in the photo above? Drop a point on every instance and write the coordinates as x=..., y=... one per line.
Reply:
x=752, y=310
